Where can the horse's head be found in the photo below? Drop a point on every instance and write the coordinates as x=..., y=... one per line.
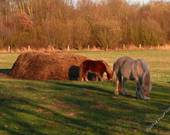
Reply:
x=146, y=85
x=110, y=75
x=106, y=68
x=109, y=71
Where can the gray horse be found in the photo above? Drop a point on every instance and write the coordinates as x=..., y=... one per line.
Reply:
x=126, y=68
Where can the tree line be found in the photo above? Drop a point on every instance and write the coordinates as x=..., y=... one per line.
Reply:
x=61, y=23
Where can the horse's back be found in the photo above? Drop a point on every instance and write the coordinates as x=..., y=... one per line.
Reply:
x=120, y=61
x=126, y=69
x=94, y=65
x=130, y=68
x=88, y=63
x=122, y=64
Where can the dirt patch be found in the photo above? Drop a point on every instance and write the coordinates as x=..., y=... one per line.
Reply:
x=70, y=110
x=47, y=66
x=100, y=106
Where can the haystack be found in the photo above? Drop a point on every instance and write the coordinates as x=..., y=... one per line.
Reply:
x=46, y=66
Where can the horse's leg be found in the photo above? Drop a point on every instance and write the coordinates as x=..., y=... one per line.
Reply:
x=116, y=91
x=118, y=86
x=139, y=93
x=85, y=76
x=137, y=89
x=97, y=78
x=81, y=77
x=123, y=90
x=82, y=74
x=100, y=76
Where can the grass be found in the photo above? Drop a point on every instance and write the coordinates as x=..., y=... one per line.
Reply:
x=84, y=108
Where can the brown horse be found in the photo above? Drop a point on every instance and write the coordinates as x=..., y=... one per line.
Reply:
x=95, y=66
x=125, y=68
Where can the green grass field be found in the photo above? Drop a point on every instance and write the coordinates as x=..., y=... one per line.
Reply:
x=84, y=108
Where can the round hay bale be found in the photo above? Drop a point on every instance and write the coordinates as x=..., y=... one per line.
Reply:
x=46, y=66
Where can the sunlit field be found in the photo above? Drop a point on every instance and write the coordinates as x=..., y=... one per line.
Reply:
x=85, y=108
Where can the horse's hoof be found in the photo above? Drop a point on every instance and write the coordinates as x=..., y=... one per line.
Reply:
x=123, y=93
x=116, y=93
x=146, y=98
x=114, y=96
x=143, y=98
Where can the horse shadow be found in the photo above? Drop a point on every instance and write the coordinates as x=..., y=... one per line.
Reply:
x=94, y=113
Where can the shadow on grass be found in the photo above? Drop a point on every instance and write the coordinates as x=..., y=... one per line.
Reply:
x=82, y=87
x=22, y=126
x=97, y=113
x=129, y=108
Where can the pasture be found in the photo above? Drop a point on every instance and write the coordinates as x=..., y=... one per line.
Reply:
x=84, y=108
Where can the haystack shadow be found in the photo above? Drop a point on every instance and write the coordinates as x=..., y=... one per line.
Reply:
x=5, y=71
x=74, y=73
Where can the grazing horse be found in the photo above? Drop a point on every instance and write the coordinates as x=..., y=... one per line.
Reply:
x=95, y=66
x=126, y=68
